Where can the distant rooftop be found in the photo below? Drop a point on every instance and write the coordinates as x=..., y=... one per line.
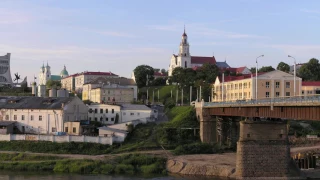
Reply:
x=134, y=107
x=92, y=73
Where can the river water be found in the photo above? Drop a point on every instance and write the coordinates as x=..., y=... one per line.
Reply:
x=6, y=175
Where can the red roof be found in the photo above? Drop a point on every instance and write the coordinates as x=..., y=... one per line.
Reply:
x=202, y=60
x=91, y=73
x=98, y=73
x=235, y=78
x=310, y=83
x=159, y=74
x=234, y=70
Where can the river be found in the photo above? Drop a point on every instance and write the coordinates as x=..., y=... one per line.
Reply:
x=8, y=175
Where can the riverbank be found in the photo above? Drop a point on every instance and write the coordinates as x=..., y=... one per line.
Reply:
x=123, y=164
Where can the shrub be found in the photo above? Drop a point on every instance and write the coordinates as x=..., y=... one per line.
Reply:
x=107, y=169
x=124, y=169
x=195, y=148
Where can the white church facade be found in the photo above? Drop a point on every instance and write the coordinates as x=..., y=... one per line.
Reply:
x=185, y=60
x=45, y=74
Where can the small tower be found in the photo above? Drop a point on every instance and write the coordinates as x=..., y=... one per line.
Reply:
x=184, y=45
x=64, y=73
x=34, y=88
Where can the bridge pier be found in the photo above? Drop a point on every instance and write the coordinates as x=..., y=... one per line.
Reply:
x=263, y=151
x=208, y=126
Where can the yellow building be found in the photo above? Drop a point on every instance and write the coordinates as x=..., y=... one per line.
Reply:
x=310, y=88
x=270, y=84
x=110, y=90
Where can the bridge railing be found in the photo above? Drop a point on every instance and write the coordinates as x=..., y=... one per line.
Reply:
x=264, y=101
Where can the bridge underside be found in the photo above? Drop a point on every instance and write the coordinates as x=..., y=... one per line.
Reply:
x=277, y=112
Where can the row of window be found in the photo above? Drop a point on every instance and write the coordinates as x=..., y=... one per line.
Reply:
x=15, y=117
x=101, y=119
x=101, y=111
x=245, y=85
x=277, y=94
x=131, y=114
x=277, y=84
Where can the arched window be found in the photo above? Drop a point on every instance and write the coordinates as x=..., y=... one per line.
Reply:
x=176, y=62
x=185, y=64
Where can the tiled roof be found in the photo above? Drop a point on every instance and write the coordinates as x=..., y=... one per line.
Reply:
x=22, y=102
x=159, y=74
x=310, y=83
x=117, y=80
x=6, y=123
x=222, y=64
x=202, y=60
x=235, y=78
x=91, y=73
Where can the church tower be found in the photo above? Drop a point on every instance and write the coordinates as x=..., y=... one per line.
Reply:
x=184, y=53
x=44, y=74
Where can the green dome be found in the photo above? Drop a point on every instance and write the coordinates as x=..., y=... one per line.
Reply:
x=64, y=72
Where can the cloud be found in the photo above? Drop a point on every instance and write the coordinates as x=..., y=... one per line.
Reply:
x=205, y=30
x=13, y=17
x=310, y=11
x=112, y=33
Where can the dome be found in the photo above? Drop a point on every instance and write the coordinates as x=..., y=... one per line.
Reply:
x=64, y=72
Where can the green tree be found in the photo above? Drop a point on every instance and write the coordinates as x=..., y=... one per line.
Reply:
x=208, y=72
x=266, y=69
x=253, y=70
x=53, y=84
x=206, y=88
x=163, y=71
x=310, y=71
x=159, y=82
x=143, y=75
x=283, y=67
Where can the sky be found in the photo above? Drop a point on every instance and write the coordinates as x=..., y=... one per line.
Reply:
x=117, y=36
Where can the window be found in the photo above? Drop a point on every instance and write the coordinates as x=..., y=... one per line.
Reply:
x=112, y=119
x=74, y=130
x=31, y=118
x=124, y=113
x=236, y=86
x=240, y=86
x=14, y=117
x=7, y=117
x=106, y=110
x=90, y=110
x=287, y=93
x=95, y=119
x=101, y=111
x=240, y=95
x=101, y=118
x=108, y=98
x=277, y=84
x=131, y=114
x=302, y=92
x=112, y=111
x=277, y=94
x=22, y=117
x=95, y=110
x=248, y=135
x=40, y=118
x=89, y=118
x=54, y=129
x=66, y=129
x=267, y=94
x=249, y=84
x=185, y=63
x=267, y=84
x=107, y=119
x=287, y=84
x=244, y=95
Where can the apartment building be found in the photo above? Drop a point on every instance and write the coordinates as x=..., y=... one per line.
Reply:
x=310, y=88
x=269, y=85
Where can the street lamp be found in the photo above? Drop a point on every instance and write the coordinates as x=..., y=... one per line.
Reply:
x=257, y=76
x=294, y=75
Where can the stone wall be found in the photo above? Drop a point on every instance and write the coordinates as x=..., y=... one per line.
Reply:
x=263, y=150
x=208, y=125
x=52, y=138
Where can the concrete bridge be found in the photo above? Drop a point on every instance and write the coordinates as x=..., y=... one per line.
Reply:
x=259, y=129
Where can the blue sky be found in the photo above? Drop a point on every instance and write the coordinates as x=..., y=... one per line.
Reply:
x=119, y=35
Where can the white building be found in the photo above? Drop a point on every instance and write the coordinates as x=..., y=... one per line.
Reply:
x=5, y=75
x=45, y=74
x=185, y=60
x=109, y=114
x=40, y=115
x=104, y=113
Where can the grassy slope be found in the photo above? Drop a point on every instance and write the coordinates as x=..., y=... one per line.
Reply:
x=182, y=116
x=164, y=91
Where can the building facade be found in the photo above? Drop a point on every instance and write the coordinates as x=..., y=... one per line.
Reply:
x=310, y=88
x=270, y=85
x=185, y=60
x=117, y=90
x=104, y=113
x=5, y=74
x=45, y=74
x=38, y=115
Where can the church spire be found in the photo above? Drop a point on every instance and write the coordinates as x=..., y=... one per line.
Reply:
x=184, y=31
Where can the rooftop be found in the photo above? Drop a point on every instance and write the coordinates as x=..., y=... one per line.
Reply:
x=6, y=123
x=311, y=83
x=24, y=102
x=202, y=60
x=134, y=107
x=92, y=73
x=117, y=80
x=112, y=129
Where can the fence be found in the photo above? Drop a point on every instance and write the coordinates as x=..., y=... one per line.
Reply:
x=59, y=139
